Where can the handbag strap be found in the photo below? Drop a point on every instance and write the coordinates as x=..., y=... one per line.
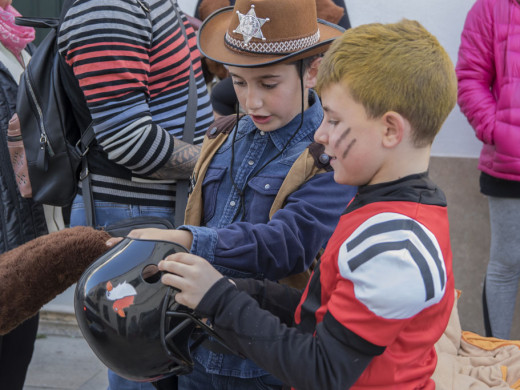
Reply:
x=188, y=132
x=84, y=177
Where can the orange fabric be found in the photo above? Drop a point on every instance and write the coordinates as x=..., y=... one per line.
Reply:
x=487, y=343
x=503, y=369
x=468, y=361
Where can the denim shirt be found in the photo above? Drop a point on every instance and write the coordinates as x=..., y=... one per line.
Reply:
x=246, y=243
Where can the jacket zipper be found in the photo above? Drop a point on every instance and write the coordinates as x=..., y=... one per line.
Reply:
x=44, y=141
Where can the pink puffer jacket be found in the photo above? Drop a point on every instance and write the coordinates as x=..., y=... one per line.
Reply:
x=488, y=70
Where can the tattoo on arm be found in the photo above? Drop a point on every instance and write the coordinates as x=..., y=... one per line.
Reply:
x=181, y=163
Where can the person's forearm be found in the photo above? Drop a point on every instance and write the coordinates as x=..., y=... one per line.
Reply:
x=181, y=163
x=326, y=360
x=276, y=249
x=281, y=300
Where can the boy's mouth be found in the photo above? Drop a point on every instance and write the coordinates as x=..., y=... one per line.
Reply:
x=331, y=156
x=262, y=119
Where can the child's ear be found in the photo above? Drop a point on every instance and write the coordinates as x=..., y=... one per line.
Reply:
x=395, y=127
x=311, y=73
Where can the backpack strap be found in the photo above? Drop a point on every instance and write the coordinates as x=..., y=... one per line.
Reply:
x=87, y=136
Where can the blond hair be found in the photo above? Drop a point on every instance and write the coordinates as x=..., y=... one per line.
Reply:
x=397, y=67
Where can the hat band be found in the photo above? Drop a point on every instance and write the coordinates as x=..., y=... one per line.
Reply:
x=282, y=47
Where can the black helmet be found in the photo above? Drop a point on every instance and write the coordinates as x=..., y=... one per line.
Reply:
x=130, y=319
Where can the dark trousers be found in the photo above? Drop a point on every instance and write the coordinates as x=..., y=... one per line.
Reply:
x=16, y=350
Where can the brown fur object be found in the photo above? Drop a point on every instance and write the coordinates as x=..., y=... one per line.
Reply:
x=32, y=274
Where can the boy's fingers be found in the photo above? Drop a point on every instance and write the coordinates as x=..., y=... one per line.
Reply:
x=140, y=233
x=182, y=257
x=179, y=258
x=113, y=241
x=173, y=280
x=183, y=299
x=173, y=266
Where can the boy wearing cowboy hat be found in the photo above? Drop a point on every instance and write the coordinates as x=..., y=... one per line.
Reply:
x=264, y=201
x=383, y=290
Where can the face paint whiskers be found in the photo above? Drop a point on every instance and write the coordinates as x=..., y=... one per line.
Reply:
x=342, y=137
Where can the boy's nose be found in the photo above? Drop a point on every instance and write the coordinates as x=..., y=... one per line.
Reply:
x=254, y=99
x=320, y=136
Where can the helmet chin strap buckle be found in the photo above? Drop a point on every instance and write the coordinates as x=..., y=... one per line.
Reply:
x=186, y=325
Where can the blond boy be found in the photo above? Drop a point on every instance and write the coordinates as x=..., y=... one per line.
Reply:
x=382, y=293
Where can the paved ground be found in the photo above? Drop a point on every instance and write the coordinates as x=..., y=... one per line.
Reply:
x=62, y=359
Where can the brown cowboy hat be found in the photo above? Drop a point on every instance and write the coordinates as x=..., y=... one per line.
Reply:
x=257, y=33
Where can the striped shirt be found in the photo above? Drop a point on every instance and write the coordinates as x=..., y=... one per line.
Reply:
x=132, y=63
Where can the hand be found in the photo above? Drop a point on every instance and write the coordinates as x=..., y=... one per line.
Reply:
x=190, y=274
x=182, y=237
x=113, y=241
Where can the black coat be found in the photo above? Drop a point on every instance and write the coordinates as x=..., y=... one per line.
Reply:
x=21, y=220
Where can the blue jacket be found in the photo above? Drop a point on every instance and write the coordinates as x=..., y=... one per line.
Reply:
x=237, y=235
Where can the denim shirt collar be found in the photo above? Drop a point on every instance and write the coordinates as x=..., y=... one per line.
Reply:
x=313, y=116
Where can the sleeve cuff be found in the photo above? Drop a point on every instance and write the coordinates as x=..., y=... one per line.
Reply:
x=204, y=241
x=211, y=301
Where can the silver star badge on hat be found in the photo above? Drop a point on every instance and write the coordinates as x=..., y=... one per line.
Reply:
x=250, y=25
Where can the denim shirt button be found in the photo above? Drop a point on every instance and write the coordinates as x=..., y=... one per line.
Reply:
x=262, y=133
x=232, y=203
x=267, y=186
x=251, y=162
x=324, y=158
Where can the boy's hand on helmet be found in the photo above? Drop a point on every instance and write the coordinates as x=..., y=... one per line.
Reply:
x=182, y=237
x=190, y=274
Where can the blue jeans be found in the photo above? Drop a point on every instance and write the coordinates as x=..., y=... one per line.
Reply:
x=120, y=383
x=109, y=212
x=106, y=214
x=199, y=379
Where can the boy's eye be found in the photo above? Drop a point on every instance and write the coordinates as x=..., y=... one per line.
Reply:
x=269, y=86
x=238, y=82
x=332, y=122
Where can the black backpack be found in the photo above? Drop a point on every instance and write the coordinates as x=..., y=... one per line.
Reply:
x=55, y=143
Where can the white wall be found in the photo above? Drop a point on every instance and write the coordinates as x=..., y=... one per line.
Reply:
x=444, y=19
x=187, y=5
